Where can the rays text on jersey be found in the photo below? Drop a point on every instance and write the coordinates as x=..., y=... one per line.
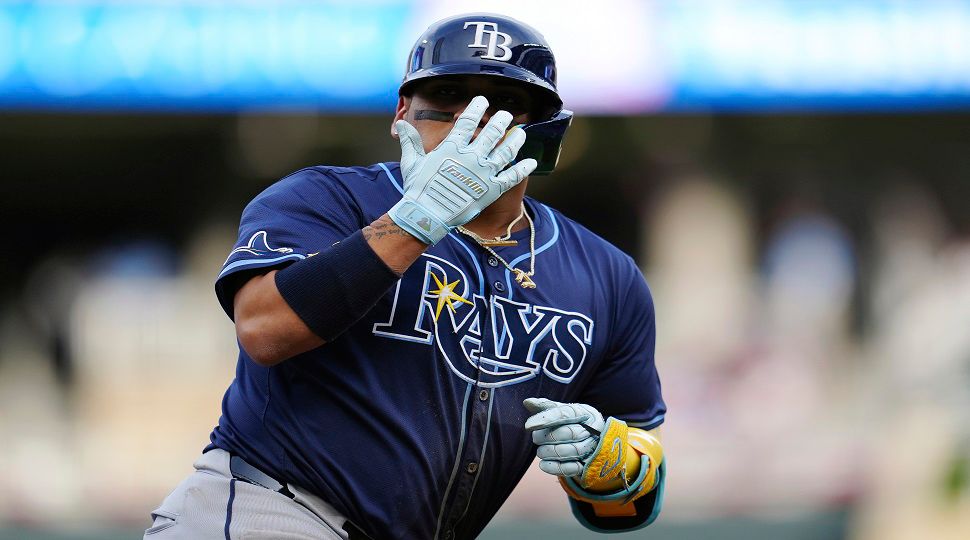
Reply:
x=493, y=341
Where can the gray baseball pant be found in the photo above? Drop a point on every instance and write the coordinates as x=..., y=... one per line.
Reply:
x=212, y=505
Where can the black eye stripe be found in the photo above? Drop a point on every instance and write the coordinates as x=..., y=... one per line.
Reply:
x=437, y=116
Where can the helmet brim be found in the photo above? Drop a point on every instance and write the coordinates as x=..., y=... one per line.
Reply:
x=493, y=69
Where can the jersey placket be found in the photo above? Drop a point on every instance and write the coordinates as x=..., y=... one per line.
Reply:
x=479, y=412
x=471, y=460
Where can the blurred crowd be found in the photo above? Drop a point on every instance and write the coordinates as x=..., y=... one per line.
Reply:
x=781, y=399
x=806, y=369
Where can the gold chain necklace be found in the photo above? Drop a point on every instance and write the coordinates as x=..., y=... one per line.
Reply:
x=522, y=277
x=505, y=240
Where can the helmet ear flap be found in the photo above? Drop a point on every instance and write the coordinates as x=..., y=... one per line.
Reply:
x=543, y=141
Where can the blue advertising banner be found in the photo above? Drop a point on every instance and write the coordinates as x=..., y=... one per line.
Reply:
x=205, y=56
x=615, y=56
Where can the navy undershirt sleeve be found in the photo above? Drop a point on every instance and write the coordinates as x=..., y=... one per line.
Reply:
x=335, y=288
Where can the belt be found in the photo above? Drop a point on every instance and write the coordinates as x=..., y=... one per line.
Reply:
x=242, y=470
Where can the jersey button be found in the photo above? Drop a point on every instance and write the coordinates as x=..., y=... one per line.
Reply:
x=472, y=467
x=492, y=261
x=499, y=286
x=483, y=395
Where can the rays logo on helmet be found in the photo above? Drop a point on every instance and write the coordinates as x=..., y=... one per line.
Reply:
x=493, y=42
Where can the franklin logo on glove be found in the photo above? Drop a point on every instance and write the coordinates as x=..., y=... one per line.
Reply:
x=465, y=177
x=474, y=167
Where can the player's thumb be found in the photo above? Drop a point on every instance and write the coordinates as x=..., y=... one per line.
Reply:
x=537, y=405
x=412, y=148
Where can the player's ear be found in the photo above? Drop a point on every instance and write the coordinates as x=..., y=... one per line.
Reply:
x=403, y=105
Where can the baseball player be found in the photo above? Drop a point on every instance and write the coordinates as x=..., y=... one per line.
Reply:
x=413, y=334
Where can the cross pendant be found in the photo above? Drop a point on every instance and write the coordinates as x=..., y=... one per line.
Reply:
x=524, y=280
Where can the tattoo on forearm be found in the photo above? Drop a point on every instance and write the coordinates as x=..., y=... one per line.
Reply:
x=437, y=116
x=383, y=227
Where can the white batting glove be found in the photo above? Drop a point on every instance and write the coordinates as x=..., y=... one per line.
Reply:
x=567, y=434
x=453, y=183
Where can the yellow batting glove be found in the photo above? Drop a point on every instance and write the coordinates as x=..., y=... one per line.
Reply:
x=608, y=460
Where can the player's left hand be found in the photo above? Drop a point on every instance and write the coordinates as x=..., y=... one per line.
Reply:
x=574, y=440
x=450, y=185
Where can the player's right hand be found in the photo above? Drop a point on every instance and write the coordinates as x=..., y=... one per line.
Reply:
x=453, y=183
x=574, y=440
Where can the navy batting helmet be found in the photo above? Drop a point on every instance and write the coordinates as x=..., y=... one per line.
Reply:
x=495, y=45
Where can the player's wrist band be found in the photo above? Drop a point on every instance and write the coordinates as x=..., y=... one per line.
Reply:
x=623, y=495
x=334, y=289
x=416, y=220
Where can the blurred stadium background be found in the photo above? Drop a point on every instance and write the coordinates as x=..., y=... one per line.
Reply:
x=792, y=176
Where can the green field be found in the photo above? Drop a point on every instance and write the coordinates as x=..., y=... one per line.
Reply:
x=828, y=526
